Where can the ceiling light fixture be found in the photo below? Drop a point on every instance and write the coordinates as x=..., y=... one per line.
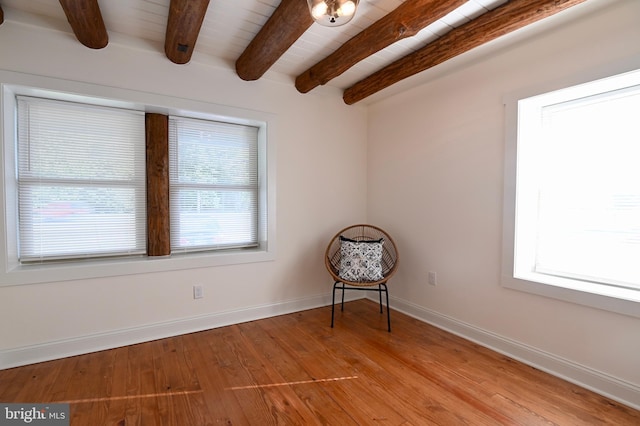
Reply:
x=332, y=13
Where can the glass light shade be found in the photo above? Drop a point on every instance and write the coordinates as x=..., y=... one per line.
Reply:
x=332, y=13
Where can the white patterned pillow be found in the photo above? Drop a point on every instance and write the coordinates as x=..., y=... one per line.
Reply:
x=360, y=261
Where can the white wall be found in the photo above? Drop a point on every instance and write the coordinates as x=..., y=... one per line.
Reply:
x=317, y=171
x=436, y=180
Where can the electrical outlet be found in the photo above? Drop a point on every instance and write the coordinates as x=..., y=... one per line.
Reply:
x=198, y=293
x=433, y=279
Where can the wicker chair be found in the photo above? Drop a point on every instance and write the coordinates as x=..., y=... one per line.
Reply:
x=389, y=263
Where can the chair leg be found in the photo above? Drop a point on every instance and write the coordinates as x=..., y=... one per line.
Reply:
x=381, y=288
x=386, y=290
x=333, y=302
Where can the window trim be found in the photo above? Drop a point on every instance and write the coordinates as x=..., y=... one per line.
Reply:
x=601, y=296
x=13, y=273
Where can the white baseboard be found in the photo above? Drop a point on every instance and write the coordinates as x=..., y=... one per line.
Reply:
x=618, y=390
x=47, y=351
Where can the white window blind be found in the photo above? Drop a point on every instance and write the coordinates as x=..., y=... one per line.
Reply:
x=81, y=180
x=214, y=185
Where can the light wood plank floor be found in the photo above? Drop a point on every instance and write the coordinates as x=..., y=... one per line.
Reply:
x=295, y=370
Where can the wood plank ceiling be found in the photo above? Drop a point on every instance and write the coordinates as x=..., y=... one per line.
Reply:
x=387, y=41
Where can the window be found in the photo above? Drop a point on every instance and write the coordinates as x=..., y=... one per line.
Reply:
x=80, y=180
x=73, y=204
x=576, y=200
x=214, y=185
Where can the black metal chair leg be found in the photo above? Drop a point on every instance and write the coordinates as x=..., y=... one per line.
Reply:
x=333, y=303
x=340, y=285
x=386, y=290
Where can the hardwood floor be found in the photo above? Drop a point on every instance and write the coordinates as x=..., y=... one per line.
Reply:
x=296, y=370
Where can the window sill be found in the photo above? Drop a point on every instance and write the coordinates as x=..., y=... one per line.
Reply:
x=600, y=296
x=13, y=274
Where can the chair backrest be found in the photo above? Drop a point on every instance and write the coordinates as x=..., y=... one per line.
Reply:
x=362, y=232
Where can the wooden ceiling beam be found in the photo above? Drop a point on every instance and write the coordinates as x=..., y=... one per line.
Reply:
x=183, y=27
x=404, y=21
x=86, y=22
x=287, y=23
x=502, y=20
